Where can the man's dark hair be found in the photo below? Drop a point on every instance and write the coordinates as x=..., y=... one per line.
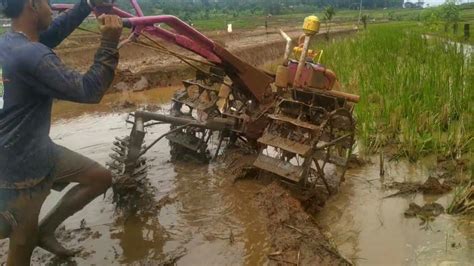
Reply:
x=12, y=8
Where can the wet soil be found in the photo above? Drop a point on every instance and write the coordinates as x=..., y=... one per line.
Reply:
x=197, y=209
x=432, y=186
x=295, y=236
x=224, y=214
x=196, y=214
x=428, y=210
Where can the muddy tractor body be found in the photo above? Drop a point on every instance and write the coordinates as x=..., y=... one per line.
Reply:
x=301, y=129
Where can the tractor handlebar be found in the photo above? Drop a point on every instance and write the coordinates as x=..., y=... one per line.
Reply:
x=251, y=79
x=127, y=23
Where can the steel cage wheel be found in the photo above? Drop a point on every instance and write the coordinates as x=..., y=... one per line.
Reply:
x=331, y=152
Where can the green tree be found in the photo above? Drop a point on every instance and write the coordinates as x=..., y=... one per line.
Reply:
x=329, y=13
x=431, y=18
x=450, y=12
x=365, y=19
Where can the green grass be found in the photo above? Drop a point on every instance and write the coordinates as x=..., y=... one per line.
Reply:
x=248, y=21
x=416, y=94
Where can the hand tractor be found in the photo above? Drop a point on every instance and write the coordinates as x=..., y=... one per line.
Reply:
x=301, y=127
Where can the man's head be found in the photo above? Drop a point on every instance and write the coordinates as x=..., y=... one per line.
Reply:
x=37, y=12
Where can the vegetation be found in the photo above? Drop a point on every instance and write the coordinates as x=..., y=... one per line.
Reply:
x=248, y=14
x=416, y=92
x=365, y=20
x=329, y=13
x=463, y=201
x=205, y=9
x=446, y=19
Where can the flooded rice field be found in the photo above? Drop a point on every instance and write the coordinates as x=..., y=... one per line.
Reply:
x=202, y=217
x=370, y=229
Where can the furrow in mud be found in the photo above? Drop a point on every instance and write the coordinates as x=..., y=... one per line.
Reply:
x=295, y=237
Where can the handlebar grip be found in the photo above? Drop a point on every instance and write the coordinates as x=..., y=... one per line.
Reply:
x=127, y=23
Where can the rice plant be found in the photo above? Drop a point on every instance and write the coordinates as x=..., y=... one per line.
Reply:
x=463, y=201
x=416, y=92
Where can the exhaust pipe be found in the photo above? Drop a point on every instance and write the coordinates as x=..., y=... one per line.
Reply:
x=301, y=63
x=289, y=43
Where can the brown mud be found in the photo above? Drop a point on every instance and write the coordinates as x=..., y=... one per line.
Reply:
x=432, y=186
x=223, y=214
x=296, y=238
x=197, y=215
x=428, y=210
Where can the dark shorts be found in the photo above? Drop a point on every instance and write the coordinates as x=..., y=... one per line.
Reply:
x=22, y=208
x=68, y=167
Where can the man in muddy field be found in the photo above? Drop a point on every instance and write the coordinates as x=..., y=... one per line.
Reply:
x=30, y=163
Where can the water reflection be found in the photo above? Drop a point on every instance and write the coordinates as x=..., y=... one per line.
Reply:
x=139, y=237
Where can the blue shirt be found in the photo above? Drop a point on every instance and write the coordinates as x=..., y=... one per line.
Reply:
x=32, y=76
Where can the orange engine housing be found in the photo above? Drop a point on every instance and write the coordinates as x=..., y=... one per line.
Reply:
x=313, y=76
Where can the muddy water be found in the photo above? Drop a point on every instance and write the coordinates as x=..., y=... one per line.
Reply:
x=206, y=219
x=371, y=230
x=116, y=102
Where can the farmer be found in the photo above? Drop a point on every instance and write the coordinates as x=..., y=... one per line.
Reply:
x=30, y=163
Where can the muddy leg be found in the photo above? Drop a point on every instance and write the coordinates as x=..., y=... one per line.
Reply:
x=92, y=183
x=24, y=236
x=5, y=228
x=19, y=254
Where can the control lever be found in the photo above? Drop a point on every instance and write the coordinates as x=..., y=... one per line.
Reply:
x=127, y=23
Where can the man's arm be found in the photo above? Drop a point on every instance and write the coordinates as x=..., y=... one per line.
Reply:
x=61, y=82
x=65, y=24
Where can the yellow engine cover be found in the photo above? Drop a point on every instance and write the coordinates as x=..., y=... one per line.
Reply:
x=311, y=25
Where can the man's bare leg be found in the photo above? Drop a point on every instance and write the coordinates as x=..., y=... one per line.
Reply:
x=19, y=252
x=92, y=183
x=5, y=228
x=24, y=236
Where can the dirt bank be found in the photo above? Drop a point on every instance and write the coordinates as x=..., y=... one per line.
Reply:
x=156, y=69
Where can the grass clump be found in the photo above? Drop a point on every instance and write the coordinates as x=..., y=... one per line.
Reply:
x=463, y=201
x=416, y=93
